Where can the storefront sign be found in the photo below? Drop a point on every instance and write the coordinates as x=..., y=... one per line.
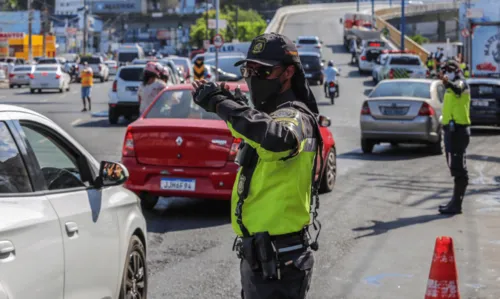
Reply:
x=163, y=34
x=11, y=35
x=117, y=7
x=486, y=50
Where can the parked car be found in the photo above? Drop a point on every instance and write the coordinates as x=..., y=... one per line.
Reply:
x=313, y=67
x=99, y=68
x=485, y=101
x=399, y=66
x=309, y=44
x=367, y=59
x=49, y=76
x=20, y=75
x=123, y=98
x=403, y=111
x=112, y=66
x=67, y=226
x=182, y=150
x=186, y=65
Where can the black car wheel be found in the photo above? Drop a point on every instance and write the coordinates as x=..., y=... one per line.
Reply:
x=148, y=201
x=367, y=146
x=438, y=147
x=135, y=274
x=330, y=174
x=113, y=116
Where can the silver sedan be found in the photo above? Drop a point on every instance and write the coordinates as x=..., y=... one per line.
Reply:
x=403, y=111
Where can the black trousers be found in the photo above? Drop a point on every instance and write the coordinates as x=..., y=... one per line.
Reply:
x=294, y=283
x=456, y=144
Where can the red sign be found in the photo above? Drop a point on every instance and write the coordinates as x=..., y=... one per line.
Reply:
x=374, y=45
x=218, y=41
x=163, y=34
x=11, y=34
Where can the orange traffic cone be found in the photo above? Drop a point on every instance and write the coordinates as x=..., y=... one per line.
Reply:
x=443, y=277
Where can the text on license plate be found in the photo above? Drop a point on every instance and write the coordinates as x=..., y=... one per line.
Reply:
x=394, y=110
x=308, y=75
x=20, y=77
x=178, y=184
x=480, y=103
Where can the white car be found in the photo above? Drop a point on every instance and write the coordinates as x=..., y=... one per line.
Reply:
x=68, y=229
x=309, y=44
x=49, y=76
x=112, y=66
x=20, y=75
x=367, y=59
x=123, y=98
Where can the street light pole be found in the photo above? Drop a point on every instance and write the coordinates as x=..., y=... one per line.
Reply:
x=373, y=13
x=403, y=22
x=217, y=7
x=30, y=31
x=85, y=30
x=206, y=14
x=45, y=21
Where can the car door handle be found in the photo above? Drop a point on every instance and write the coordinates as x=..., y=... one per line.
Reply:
x=71, y=228
x=6, y=247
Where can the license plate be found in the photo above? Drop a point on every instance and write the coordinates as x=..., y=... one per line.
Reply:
x=394, y=110
x=333, y=89
x=308, y=75
x=134, y=92
x=480, y=103
x=20, y=77
x=178, y=184
x=45, y=84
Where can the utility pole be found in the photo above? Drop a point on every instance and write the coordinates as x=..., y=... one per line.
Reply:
x=30, y=31
x=357, y=5
x=206, y=14
x=217, y=8
x=236, y=29
x=85, y=30
x=403, y=22
x=45, y=21
x=373, y=13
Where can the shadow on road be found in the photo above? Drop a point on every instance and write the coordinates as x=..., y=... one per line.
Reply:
x=102, y=123
x=369, y=83
x=388, y=153
x=354, y=74
x=484, y=131
x=29, y=103
x=381, y=227
x=177, y=214
x=36, y=93
x=483, y=158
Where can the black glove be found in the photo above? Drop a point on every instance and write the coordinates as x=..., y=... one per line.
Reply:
x=238, y=96
x=208, y=95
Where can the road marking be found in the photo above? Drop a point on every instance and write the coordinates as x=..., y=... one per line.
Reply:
x=44, y=100
x=76, y=121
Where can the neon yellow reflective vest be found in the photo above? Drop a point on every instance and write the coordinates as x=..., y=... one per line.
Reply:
x=456, y=104
x=278, y=189
x=465, y=70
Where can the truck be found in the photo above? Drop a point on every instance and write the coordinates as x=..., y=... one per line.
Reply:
x=358, y=26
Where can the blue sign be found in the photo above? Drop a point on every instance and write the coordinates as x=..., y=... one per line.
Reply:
x=117, y=6
x=486, y=50
x=17, y=21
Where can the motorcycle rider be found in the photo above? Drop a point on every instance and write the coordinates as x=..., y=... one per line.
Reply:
x=330, y=73
x=151, y=85
x=353, y=49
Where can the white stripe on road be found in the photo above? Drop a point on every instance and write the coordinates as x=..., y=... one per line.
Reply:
x=44, y=100
x=76, y=121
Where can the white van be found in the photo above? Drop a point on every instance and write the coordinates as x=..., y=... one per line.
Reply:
x=128, y=52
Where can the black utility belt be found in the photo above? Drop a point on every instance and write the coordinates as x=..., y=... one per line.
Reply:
x=262, y=251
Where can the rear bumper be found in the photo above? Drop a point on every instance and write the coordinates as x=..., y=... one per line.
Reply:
x=421, y=129
x=314, y=75
x=365, y=67
x=485, y=117
x=19, y=81
x=210, y=183
x=125, y=108
x=51, y=85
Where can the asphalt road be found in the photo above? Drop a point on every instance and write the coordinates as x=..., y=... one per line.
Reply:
x=379, y=224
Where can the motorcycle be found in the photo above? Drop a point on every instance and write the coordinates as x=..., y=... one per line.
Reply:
x=333, y=91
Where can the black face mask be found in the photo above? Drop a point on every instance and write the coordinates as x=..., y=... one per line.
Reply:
x=263, y=91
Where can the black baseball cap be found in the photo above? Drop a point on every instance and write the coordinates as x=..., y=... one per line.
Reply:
x=271, y=49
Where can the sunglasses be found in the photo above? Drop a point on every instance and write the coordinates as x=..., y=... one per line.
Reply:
x=261, y=72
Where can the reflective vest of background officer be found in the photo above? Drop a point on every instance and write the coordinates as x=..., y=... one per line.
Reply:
x=456, y=126
x=199, y=71
x=465, y=69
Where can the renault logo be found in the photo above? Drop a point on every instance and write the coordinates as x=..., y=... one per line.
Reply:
x=178, y=141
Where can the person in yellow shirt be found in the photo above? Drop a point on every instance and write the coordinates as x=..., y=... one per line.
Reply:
x=87, y=82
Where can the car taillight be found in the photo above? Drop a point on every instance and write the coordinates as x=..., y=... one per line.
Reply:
x=11, y=75
x=128, y=144
x=115, y=66
x=428, y=74
x=31, y=76
x=391, y=74
x=115, y=86
x=58, y=76
x=363, y=57
x=332, y=84
x=365, y=110
x=234, y=149
x=426, y=110
x=318, y=46
x=209, y=76
x=140, y=99
x=100, y=68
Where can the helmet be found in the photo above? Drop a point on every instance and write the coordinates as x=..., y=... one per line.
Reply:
x=451, y=65
x=330, y=63
x=154, y=68
x=164, y=75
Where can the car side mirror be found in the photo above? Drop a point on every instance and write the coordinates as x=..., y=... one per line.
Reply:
x=324, y=121
x=111, y=174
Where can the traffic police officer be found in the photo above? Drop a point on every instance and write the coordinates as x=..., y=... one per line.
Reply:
x=456, y=126
x=199, y=71
x=275, y=185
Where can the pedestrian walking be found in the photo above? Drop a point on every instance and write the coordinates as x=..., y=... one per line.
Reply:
x=275, y=185
x=456, y=125
x=87, y=83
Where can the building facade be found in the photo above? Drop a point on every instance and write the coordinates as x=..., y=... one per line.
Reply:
x=67, y=7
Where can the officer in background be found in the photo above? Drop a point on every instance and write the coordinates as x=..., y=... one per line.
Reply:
x=273, y=191
x=463, y=65
x=456, y=125
x=199, y=68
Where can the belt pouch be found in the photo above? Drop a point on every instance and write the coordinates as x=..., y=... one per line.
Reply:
x=266, y=255
x=249, y=255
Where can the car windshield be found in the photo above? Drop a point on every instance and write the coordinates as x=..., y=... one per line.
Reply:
x=405, y=60
x=309, y=59
x=397, y=88
x=8, y=60
x=46, y=68
x=308, y=41
x=484, y=91
x=131, y=74
x=181, y=62
x=90, y=60
x=127, y=57
x=48, y=61
x=22, y=69
x=227, y=64
x=179, y=104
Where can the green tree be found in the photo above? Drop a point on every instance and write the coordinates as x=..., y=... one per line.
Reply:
x=250, y=24
x=419, y=39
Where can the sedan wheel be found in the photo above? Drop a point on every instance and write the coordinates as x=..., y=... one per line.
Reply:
x=135, y=277
x=330, y=174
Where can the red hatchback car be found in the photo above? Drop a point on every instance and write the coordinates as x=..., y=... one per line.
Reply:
x=178, y=149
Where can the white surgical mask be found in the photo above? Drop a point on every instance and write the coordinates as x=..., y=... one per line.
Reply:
x=451, y=76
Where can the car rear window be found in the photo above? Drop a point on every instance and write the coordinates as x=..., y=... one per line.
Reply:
x=373, y=54
x=90, y=60
x=46, y=68
x=126, y=57
x=484, y=91
x=181, y=62
x=131, y=74
x=179, y=104
x=48, y=61
x=308, y=59
x=405, y=61
x=406, y=89
x=22, y=69
x=307, y=41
